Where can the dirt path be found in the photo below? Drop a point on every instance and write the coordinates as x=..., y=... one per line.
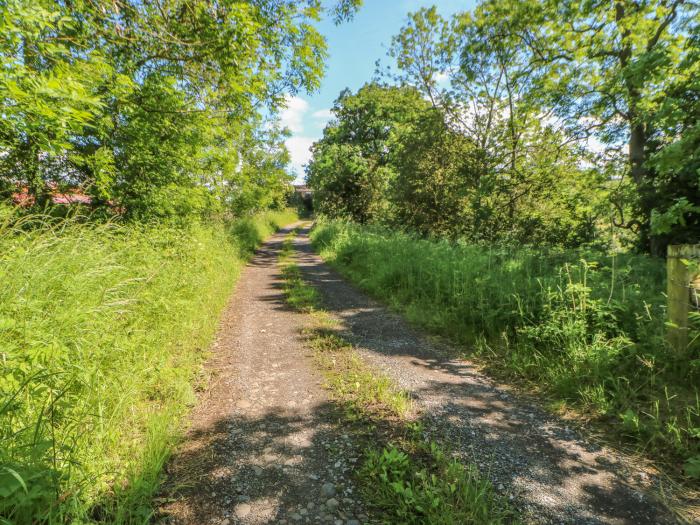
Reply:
x=266, y=445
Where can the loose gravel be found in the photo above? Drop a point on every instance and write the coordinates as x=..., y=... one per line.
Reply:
x=265, y=443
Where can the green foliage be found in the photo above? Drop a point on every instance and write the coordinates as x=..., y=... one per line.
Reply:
x=390, y=157
x=616, y=65
x=585, y=327
x=263, y=182
x=676, y=162
x=439, y=174
x=103, y=329
x=529, y=121
x=345, y=9
x=664, y=222
x=524, y=178
x=353, y=167
x=535, y=84
x=157, y=154
x=45, y=96
x=417, y=483
x=692, y=467
x=155, y=109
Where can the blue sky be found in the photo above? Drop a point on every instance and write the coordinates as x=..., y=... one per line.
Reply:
x=354, y=48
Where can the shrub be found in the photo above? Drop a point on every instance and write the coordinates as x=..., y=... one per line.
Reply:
x=585, y=326
x=417, y=483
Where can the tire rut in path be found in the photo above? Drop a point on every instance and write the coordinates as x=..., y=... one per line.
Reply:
x=264, y=444
x=551, y=473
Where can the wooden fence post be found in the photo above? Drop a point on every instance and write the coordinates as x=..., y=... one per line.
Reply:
x=678, y=290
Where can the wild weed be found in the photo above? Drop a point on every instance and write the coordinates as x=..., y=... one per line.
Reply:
x=584, y=326
x=414, y=482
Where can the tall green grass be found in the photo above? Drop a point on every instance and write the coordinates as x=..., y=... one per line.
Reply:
x=586, y=327
x=103, y=329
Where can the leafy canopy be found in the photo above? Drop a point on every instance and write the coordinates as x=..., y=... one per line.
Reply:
x=144, y=103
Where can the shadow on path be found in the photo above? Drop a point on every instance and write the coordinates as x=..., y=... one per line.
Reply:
x=264, y=438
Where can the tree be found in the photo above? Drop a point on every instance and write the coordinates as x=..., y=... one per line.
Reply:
x=93, y=90
x=353, y=164
x=440, y=179
x=261, y=180
x=675, y=217
x=472, y=71
x=45, y=97
x=156, y=154
x=576, y=70
x=604, y=68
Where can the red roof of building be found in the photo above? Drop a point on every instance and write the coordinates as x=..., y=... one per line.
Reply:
x=73, y=196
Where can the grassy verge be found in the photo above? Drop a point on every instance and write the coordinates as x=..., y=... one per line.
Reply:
x=103, y=329
x=586, y=328
x=404, y=478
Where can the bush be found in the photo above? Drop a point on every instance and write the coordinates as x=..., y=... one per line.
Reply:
x=585, y=326
x=103, y=328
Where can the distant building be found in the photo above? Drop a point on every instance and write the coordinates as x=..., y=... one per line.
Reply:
x=304, y=196
x=303, y=191
x=22, y=198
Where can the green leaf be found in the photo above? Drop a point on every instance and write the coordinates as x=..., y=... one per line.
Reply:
x=16, y=476
x=692, y=467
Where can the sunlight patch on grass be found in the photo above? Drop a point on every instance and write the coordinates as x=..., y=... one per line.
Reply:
x=103, y=331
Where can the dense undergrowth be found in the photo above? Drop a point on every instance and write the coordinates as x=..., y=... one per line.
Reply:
x=103, y=328
x=585, y=327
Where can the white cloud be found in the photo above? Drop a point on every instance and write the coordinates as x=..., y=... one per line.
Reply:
x=302, y=122
x=442, y=78
x=323, y=114
x=292, y=116
x=299, y=151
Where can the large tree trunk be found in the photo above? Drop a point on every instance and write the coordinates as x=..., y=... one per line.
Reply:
x=637, y=153
x=641, y=176
x=638, y=136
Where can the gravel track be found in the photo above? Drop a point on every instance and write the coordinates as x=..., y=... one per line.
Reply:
x=267, y=445
x=550, y=472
